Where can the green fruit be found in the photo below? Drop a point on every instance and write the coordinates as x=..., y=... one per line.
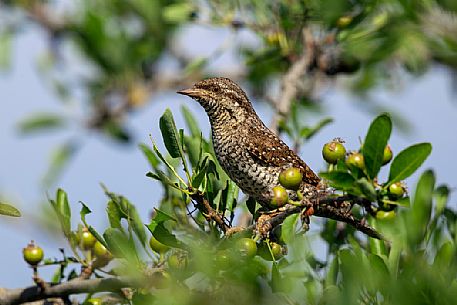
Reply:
x=157, y=246
x=246, y=247
x=93, y=301
x=87, y=240
x=397, y=189
x=32, y=254
x=101, y=251
x=177, y=261
x=276, y=251
x=280, y=196
x=343, y=21
x=291, y=178
x=355, y=160
x=387, y=156
x=333, y=151
x=385, y=215
x=223, y=259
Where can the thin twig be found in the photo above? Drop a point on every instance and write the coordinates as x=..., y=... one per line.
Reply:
x=210, y=214
x=291, y=80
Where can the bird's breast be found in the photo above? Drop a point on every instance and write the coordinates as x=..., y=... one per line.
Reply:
x=253, y=178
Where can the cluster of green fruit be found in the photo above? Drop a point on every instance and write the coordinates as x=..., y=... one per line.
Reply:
x=34, y=254
x=289, y=179
x=334, y=152
x=87, y=242
x=245, y=248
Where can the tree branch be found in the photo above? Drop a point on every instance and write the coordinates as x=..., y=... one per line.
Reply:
x=75, y=286
x=210, y=214
x=327, y=207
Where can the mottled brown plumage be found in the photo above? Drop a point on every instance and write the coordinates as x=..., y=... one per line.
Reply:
x=250, y=153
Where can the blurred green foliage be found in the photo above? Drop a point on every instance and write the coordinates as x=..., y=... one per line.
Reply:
x=121, y=44
x=198, y=263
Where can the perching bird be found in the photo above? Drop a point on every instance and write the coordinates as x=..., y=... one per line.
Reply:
x=250, y=153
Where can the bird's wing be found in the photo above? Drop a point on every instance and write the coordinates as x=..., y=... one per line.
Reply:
x=266, y=147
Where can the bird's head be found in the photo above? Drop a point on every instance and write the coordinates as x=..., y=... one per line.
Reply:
x=220, y=97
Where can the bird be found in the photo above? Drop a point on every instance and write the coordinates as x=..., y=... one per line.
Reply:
x=250, y=153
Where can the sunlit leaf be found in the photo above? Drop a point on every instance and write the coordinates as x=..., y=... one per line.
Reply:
x=170, y=134
x=375, y=141
x=9, y=210
x=408, y=161
x=152, y=159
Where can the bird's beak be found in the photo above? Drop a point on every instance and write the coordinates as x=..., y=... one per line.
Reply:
x=192, y=92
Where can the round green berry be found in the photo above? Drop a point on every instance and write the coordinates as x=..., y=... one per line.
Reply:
x=385, y=215
x=223, y=259
x=276, y=251
x=246, y=247
x=86, y=240
x=100, y=251
x=177, y=261
x=291, y=178
x=32, y=254
x=333, y=151
x=280, y=196
x=355, y=159
x=397, y=189
x=387, y=156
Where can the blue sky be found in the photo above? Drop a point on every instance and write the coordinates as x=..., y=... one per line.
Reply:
x=427, y=102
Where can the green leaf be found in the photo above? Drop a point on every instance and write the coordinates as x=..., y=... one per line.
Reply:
x=9, y=210
x=367, y=188
x=134, y=220
x=5, y=49
x=375, y=141
x=62, y=208
x=114, y=215
x=408, y=161
x=376, y=246
x=191, y=122
x=421, y=209
x=97, y=236
x=40, y=122
x=288, y=228
x=193, y=149
x=332, y=273
x=56, y=277
x=116, y=131
x=170, y=134
x=84, y=211
x=118, y=244
x=309, y=132
x=441, y=198
x=178, y=12
x=232, y=195
x=160, y=232
x=339, y=180
x=152, y=159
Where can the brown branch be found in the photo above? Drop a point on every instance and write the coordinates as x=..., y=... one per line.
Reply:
x=63, y=290
x=291, y=80
x=210, y=214
x=327, y=207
